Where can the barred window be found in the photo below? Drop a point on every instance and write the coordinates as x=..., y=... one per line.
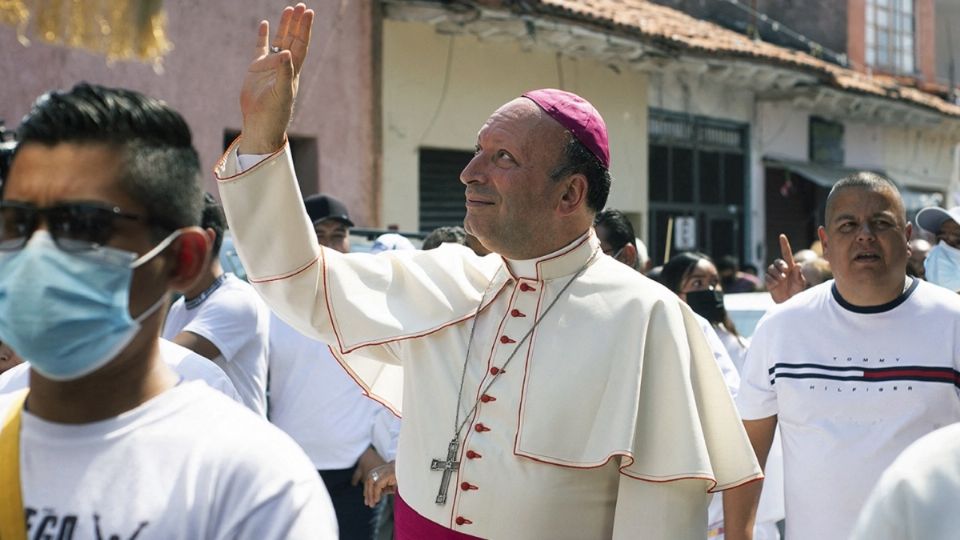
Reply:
x=890, y=36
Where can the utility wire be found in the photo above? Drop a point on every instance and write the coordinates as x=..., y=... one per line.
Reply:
x=814, y=47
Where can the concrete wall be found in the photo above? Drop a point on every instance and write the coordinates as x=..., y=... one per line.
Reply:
x=427, y=105
x=202, y=75
x=923, y=157
x=698, y=94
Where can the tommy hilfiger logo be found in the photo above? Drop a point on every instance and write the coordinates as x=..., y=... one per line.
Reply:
x=864, y=374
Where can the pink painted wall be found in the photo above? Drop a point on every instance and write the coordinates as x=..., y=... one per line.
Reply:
x=339, y=90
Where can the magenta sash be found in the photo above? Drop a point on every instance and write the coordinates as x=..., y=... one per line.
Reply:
x=409, y=525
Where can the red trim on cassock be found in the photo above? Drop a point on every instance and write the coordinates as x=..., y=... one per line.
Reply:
x=409, y=525
x=223, y=158
x=404, y=337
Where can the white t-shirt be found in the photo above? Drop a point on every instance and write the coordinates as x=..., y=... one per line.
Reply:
x=917, y=498
x=851, y=387
x=189, y=463
x=236, y=321
x=315, y=401
x=184, y=362
x=771, y=501
x=736, y=346
x=727, y=368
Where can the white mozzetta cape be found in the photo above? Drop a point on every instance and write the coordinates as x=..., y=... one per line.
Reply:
x=617, y=384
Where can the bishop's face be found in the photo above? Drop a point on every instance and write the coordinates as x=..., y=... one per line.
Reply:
x=510, y=198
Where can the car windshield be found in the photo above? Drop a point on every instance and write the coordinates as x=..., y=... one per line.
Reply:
x=746, y=310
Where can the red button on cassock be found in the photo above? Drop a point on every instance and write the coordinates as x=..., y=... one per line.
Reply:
x=473, y=455
x=494, y=370
x=466, y=486
x=463, y=521
x=516, y=313
x=525, y=288
x=506, y=339
x=487, y=399
x=481, y=428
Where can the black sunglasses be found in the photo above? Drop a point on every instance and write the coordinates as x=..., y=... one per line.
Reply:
x=73, y=226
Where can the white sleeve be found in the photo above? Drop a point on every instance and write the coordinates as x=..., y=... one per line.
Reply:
x=303, y=511
x=727, y=368
x=917, y=496
x=228, y=321
x=350, y=301
x=757, y=398
x=247, y=161
x=386, y=433
x=881, y=517
x=270, y=490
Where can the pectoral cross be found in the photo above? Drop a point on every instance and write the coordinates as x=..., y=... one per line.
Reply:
x=447, y=467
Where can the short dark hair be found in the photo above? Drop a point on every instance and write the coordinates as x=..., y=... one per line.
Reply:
x=162, y=168
x=679, y=267
x=442, y=235
x=577, y=159
x=213, y=218
x=728, y=263
x=619, y=229
x=869, y=181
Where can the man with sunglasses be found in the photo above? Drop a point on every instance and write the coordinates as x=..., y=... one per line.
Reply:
x=97, y=228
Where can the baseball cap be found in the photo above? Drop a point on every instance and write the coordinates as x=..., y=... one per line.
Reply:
x=320, y=207
x=391, y=242
x=578, y=116
x=932, y=217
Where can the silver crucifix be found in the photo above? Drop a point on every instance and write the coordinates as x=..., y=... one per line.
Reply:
x=447, y=467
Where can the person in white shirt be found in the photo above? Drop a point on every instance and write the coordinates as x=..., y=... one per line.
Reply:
x=918, y=495
x=697, y=281
x=941, y=265
x=224, y=320
x=317, y=403
x=852, y=370
x=100, y=215
x=187, y=364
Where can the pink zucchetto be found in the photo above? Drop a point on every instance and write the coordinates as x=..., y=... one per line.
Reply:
x=578, y=116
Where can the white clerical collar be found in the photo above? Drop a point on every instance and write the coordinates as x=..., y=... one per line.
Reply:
x=534, y=268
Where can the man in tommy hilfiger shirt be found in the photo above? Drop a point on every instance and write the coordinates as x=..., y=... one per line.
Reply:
x=853, y=370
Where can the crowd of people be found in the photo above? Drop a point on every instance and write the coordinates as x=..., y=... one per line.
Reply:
x=528, y=375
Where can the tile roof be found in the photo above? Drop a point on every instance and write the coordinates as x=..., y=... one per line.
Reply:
x=674, y=30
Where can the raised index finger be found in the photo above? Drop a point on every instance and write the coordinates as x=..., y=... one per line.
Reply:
x=786, y=253
x=260, y=49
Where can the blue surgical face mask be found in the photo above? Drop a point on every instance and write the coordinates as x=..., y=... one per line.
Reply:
x=942, y=266
x=68, y=313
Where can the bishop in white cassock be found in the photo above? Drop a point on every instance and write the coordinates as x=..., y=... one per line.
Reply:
x=548, y=391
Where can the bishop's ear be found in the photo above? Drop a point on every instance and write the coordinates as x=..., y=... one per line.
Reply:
x=192, y=254
x=575, y=195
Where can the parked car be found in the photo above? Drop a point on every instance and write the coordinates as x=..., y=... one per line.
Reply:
x=746, y=310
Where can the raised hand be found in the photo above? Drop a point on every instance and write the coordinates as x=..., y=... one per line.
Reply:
x=270, y=86
x=784, y=278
